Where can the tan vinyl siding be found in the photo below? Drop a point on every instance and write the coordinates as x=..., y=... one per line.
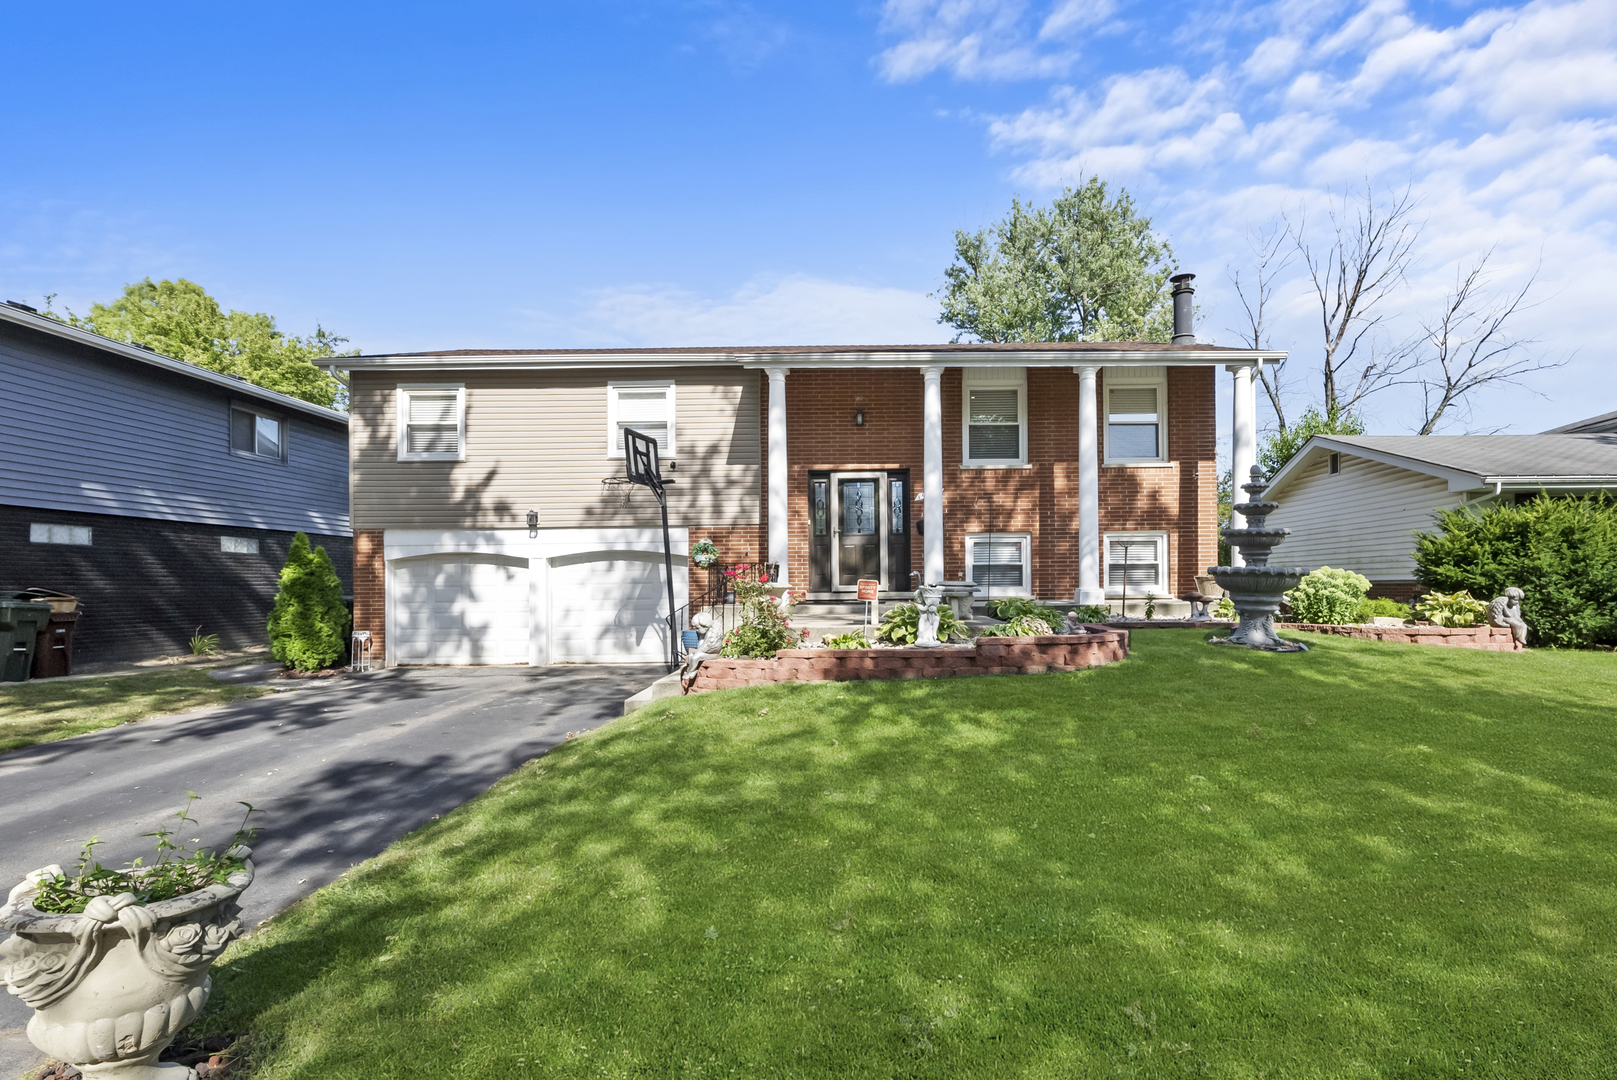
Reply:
x=537, y=440
x=1363, y=518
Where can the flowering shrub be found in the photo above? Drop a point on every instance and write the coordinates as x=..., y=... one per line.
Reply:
x=1328, y=596
x=1450, y=609
x=1381, y=607
x=765, y=625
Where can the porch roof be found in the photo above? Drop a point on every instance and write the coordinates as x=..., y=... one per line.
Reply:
x=1010, y=354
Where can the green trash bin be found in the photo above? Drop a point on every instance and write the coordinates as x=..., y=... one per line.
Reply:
x=20, y=622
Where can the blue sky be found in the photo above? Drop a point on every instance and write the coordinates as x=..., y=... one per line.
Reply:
x=621, y=173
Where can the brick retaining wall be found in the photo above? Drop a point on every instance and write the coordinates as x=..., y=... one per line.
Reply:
x=989, y=656
x=1489, y=638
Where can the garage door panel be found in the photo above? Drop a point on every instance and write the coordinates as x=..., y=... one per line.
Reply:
x=461, y=610
x=606, y=610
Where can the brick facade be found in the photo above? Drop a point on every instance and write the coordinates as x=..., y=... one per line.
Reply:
x=145, y=586
x=370, y=590
x=1041, y=500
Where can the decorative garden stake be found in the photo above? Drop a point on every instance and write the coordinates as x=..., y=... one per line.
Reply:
x=1257, y=588
x=111, y=988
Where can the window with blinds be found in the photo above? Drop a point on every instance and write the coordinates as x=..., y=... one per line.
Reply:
x=1133, y=423
x=993, y=424
x=649, y=409
x=433, y=423
x=998, y=563
x=1137, y=560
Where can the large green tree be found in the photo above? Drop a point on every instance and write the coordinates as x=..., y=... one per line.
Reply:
x=1281, y=446
x=1085, y=268
x=179, y=319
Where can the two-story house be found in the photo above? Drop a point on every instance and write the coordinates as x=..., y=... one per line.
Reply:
x=161, y=494
x=492, y=524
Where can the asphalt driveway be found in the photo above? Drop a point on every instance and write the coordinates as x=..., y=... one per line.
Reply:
x=341, y=767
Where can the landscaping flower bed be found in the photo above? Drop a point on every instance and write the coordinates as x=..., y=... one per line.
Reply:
x=1487, y=638
x=986, y=656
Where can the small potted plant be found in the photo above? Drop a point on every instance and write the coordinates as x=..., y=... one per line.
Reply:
x=115, y=963
x=704, y=553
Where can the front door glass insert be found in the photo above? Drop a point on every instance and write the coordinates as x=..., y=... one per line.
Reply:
x=858, y=507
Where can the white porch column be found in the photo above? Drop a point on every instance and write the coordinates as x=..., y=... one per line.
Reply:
x=1090, y=590
x=779, y=529
x=932, y=475
x=1243, y=441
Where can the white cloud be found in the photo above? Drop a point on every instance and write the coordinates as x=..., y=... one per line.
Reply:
x=983, y=39
x=1501, y=123
x=795, y=310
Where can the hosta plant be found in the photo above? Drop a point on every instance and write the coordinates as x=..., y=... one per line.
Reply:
x=1450, y=609
x=1021, y=626
x=901, y=625
x=853, y=639
x=1328, y=596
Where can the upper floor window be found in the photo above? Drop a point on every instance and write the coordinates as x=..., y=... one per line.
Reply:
x=256, y=434
x=1135, y=404
x=646, y=407
x=432, y=422
x=59, y=534
x=995, y=402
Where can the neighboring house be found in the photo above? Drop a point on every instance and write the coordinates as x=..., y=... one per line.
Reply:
x=162, y=494
x=1357, y=501
x=1605, y=423
x=1031, y=470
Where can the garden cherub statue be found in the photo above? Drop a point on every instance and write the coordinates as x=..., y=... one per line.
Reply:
x=712, y=641
x=1506, y=611
x=927, y=599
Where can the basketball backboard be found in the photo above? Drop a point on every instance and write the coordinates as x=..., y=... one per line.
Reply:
x=640, y=458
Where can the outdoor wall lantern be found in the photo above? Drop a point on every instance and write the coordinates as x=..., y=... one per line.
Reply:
x=533, y=524
x=859, y=418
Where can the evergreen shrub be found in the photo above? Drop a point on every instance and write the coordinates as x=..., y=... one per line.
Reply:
x=308, y=627
x=1328, y=596
x=1380, y=607
x=1562, y=553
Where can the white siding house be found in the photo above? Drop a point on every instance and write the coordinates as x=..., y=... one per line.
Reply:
x=1356, y=502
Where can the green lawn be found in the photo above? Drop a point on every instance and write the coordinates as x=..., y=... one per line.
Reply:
x=36, y=712
x=1365, y=861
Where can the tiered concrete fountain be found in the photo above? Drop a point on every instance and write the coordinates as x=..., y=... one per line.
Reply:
x=1257, y=588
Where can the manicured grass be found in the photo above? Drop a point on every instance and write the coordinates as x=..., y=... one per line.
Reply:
x=36, y=712
x=1366, y=861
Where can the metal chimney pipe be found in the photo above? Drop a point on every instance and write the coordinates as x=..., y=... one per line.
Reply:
x=1184, y=311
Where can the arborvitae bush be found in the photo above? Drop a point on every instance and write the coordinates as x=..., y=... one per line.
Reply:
x=1561, y=552
x=308, y=627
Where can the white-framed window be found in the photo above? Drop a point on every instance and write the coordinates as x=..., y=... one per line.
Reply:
x=1000, y=563
x=648, y=407
x=59, y=534
x=432, y=422
x=1136, y=414
x=994, y=401
x=239, y=545
x=1139, y=558
x=257, y=434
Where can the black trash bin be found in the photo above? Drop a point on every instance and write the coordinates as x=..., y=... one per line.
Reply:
x=20, y=621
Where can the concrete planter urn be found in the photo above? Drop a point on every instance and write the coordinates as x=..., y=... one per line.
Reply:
x=111, y=988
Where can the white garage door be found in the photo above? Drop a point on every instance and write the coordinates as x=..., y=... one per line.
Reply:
x=609, y=608
x=460, y=609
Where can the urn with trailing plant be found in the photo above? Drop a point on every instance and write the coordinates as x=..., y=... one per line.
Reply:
x=115, y=963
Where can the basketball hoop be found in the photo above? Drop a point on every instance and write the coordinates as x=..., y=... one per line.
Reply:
x=641, y=465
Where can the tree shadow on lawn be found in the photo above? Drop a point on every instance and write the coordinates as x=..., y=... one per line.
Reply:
x=1053, y=875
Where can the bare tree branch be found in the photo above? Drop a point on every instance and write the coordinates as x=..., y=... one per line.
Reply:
x=1269, y=260
x=1469, y=347
x=1370, y=251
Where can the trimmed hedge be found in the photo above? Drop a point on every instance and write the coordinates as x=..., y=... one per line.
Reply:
x=1561, y=552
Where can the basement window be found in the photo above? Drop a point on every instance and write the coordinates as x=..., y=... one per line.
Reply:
x=239, y=545
x=59, y=534
x=1139, y=560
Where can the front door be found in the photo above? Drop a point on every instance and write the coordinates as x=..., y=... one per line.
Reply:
x=859, y=529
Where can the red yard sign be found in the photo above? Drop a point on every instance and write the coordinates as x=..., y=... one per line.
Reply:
x=867, y=588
